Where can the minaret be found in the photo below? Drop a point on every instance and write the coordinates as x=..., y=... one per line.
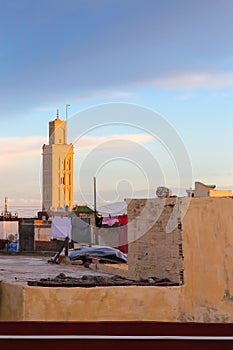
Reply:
x=57, y=168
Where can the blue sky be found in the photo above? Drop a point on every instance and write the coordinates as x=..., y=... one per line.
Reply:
x=172, y=57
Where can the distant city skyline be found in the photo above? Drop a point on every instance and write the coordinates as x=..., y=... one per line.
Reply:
x=174, y=58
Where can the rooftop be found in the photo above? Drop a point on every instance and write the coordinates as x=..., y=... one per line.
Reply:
x=21, y=269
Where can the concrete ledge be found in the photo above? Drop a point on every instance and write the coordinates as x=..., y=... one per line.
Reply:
x=112, y=269
x=115, y=303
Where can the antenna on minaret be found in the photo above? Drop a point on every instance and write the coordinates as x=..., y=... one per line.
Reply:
x=57, y=113
x=67, y=106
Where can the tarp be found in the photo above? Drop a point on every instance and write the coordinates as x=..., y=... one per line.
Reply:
x=81, y=231
x=104, y=252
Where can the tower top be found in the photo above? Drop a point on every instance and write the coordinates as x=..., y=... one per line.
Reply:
x=57, y=131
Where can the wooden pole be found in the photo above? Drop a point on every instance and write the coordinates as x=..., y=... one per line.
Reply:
x=66, y=246
x=59, y=252
x=95, y=211
x=95, y=195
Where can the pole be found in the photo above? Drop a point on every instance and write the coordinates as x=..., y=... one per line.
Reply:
x=66, y=246
x=95, y=211
x=59, y=182
x=67, y=106
x=95, y=195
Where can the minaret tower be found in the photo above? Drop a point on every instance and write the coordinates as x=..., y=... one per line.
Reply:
x=57, y=180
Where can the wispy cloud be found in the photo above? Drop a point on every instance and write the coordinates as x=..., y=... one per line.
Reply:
x=90, y=142
x=101, y=94
x=183, y=97
x=222, y=94
x=44, y=109
x=91, y=95
x=105, y=94
x=16, y=147
x=20, y=166
x=21, y=146
x=202, y=80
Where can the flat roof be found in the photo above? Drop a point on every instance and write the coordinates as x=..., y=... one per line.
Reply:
x=20, y=269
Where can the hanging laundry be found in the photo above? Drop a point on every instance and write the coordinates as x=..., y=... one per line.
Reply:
x=110, y=220
x=123, y=219
x=61, y=227
x=123, y=239
x=81, y=231
x=108, y=236
x=123, y=233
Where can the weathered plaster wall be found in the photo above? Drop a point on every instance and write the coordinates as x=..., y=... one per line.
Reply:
x=208, y=260
x=220, y=193
x=155, y=240
x=101, y=303
x=201, y=190
x=11, y=302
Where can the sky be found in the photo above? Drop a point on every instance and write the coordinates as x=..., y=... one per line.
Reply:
x=125, y=69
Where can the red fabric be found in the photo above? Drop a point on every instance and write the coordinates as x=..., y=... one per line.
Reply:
x=123, y=219
x=123, y=239
x=123, y=234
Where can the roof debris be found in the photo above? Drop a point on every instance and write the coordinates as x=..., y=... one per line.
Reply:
x=62, y=280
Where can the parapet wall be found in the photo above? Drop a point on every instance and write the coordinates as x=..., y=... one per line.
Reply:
x=206, y=295
x=128, y=303
x=207, y=231
x=155, y=239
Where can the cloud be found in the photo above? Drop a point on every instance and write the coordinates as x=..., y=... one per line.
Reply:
x=44, y=109
x=91, y=142
x=15, y=150
x=183, y=97
x=102, y=94
x=21, y=166
x=193, y=80
x=21, y=146
x=222, y=94
x=97, y=94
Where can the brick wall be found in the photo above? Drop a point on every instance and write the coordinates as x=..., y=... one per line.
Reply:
x=45, y=246
x=54, y=245
x=155, y=239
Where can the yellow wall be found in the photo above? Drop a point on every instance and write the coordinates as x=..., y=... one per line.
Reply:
x=11, y=302
x=220, y=193
x=91, y=304
x=208, y=260
x=202, y=190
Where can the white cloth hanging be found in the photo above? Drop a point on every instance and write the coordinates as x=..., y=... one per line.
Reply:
x=61, y=227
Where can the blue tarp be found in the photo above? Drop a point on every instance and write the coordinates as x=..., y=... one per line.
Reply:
x=95, y=251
